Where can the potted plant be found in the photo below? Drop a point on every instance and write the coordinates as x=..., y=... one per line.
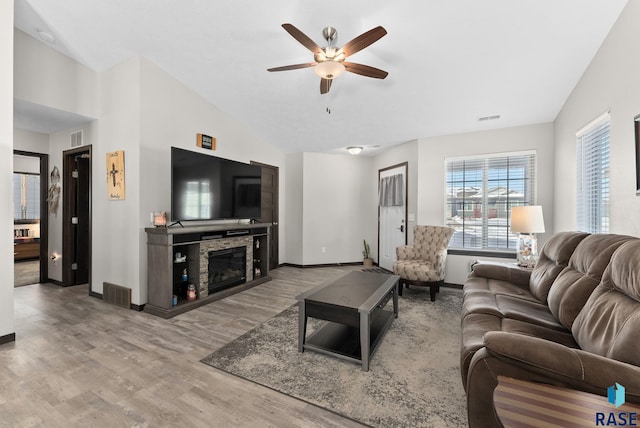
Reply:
x=368, y=261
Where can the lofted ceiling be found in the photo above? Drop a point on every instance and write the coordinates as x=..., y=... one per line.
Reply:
x=450, y=62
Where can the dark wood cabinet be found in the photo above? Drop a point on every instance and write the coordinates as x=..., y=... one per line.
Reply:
x=176, y=250
x=26, y=249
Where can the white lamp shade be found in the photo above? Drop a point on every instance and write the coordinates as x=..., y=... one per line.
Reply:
x=329, y=69
x=527, y=219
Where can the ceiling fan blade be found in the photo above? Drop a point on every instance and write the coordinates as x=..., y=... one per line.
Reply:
x=302, y=38
x=325, y=85
x=362, y=41
x=365, y=70
x=293, y=67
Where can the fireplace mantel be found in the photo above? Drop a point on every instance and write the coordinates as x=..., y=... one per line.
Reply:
x=165, y=268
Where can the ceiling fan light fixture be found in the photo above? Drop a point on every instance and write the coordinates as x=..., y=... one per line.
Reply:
x=329, y=69
x=354, y=150
x=330, y=52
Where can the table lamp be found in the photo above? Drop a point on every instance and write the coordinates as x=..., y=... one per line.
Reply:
x=527, y=221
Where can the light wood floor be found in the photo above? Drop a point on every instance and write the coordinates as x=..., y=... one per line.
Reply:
x=26, y=272
x=78, y=361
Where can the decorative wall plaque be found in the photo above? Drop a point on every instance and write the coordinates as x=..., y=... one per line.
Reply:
x=115, y=176
x=206, y=142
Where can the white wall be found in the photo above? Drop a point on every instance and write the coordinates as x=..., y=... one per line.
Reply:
x=294, y=209
x=30, y=141
x=49, y=78
x=116, y=231
x=339, y=206
x=610, y=83
x=433, y=151
x=6, y=166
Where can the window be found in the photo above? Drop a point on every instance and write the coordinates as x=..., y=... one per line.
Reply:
x=592, y=155
x=26, y=196
x=479, y=194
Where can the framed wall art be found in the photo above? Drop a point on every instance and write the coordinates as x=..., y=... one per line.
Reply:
x=115, y=176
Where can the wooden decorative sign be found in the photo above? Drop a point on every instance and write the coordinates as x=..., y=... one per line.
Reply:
x=206, y=142
x=115, y=176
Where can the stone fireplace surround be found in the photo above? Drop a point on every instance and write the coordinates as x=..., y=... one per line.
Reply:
x=222, y=244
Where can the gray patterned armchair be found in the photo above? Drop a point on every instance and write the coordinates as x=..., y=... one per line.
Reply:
x=422, y=263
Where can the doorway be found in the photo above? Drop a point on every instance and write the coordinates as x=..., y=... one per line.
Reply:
x=270, y=212
x=31, y=218
x=76, y=216
x=392, y=213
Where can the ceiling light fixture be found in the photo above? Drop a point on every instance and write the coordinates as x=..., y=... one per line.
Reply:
x=354, y=150
x=47, y=37
x=329, y=69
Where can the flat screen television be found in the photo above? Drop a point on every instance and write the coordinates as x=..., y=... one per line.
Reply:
x=205, y=187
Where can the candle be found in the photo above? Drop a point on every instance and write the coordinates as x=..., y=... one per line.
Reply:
x=159, y=218
x=191, y=292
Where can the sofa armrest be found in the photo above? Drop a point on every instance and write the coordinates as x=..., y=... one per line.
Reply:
x=537, y=360
x=570, y=366
x=509, y=272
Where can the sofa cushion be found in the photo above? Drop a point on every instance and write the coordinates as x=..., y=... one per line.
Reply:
x=480, y=295
x=576, y=282
x=476, y=325
x=554, y=256
x=526, y=309
x=531, y=312
x=609, y=323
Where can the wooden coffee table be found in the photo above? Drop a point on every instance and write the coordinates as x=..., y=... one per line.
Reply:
x=355, y=308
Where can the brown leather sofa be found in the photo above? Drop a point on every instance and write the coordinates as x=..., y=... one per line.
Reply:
x=573, y=321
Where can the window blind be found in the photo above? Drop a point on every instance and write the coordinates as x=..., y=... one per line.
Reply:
x=479, y=195
x=26, y=196
x=592, y=156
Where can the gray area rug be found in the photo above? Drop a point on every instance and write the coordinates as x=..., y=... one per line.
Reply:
x=413, y=378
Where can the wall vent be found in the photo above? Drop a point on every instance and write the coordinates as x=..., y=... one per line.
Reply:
x=485, y=118
x=76, y=139
x=116, y=295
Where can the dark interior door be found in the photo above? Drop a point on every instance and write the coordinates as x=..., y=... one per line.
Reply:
x=269, y=203
x=81, y=238
x=76, y=229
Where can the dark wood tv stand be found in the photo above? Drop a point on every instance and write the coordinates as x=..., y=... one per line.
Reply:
x=164, y=269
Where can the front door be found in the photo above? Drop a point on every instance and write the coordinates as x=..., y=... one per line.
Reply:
x=392, y=203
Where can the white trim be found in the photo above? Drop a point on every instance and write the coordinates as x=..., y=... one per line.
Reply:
x=491, y=155
x=606, y=115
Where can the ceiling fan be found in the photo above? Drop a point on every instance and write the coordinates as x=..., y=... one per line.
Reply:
x=329, y=62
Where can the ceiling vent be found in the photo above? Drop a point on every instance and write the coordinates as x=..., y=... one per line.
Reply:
x=76, y=139
x=485, y=118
